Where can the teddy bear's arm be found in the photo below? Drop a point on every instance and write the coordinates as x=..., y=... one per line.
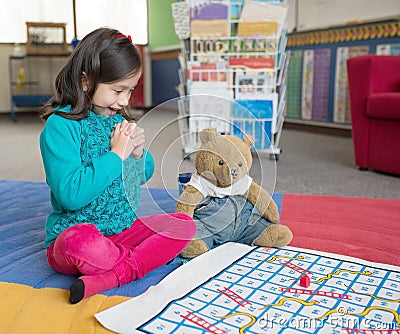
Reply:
x=263, y=202
x=188, y=200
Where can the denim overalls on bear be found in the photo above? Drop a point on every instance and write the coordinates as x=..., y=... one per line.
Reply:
x=230, y=218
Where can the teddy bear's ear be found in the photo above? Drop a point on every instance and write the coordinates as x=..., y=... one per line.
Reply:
x=208, y=134
x=249, y=140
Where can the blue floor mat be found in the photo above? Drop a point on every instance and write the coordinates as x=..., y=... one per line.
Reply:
x=24, y=207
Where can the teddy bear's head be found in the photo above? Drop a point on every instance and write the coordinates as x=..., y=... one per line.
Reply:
x=223, y=159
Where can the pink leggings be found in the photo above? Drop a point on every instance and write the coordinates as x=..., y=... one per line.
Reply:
x=107, y=262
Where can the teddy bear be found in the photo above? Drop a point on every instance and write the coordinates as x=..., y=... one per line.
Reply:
x=221, y=197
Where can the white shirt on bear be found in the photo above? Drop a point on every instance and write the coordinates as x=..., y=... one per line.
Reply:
x=209, y=189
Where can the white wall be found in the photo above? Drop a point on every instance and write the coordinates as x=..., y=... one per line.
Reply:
x=315, y=14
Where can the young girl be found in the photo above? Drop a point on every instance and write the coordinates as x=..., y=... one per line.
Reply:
x=95, y=163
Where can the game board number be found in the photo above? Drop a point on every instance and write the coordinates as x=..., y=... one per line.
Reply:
x=214, y=313
x=160, y=328
x=267, y=249
x=251, y=308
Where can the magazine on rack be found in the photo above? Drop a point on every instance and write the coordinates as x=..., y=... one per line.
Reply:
x=254, y=76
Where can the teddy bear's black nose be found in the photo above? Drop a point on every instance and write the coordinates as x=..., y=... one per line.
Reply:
x=234, y=172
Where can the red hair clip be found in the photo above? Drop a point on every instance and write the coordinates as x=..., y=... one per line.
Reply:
x=123, y=36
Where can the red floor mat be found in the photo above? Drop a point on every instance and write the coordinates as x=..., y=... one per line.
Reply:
x=361, y=227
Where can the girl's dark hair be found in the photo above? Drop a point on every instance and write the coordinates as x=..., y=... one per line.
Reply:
x=104, y=57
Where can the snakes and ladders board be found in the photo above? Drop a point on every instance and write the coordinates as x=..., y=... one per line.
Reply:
x=241, y=289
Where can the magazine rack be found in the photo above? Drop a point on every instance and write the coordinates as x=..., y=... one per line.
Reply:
x=233, y=70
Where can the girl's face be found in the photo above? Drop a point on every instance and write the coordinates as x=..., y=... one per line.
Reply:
x=110, y=98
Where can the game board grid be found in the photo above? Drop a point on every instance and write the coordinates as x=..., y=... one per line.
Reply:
x=350, y=305
x=288, y=310
x=242, y=273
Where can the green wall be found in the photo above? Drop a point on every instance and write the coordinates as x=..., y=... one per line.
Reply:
x=161, y=24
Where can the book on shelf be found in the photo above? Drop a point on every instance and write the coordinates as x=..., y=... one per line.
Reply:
x=254, y=44
x=259, y=64
x=255, y=118
x=209, y=28
x=281, y=49
x=209, y=50
x=216, y=88
x=252, y=87
x=256, y=11
x=210, y=106
x=262, y=107
x=180, y=15
x=197, y=71
x=237, y=5
x=283, y=70
x=258, y=71
x=235, y=9
x=210, y=45
x=257, y=29
x=203, y=10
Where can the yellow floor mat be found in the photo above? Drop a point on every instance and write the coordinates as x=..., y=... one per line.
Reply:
x=24, y=309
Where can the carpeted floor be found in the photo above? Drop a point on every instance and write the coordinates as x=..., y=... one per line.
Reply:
x=311, y=163
x=35, y=298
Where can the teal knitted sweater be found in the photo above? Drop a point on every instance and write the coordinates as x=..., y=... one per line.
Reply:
x=88, y=182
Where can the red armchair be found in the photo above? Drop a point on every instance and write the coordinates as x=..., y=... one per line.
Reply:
x=374, y=84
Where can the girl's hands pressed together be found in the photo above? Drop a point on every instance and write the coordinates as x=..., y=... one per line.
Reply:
x=137, y=141
x=120, y=138
x=126, y=139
